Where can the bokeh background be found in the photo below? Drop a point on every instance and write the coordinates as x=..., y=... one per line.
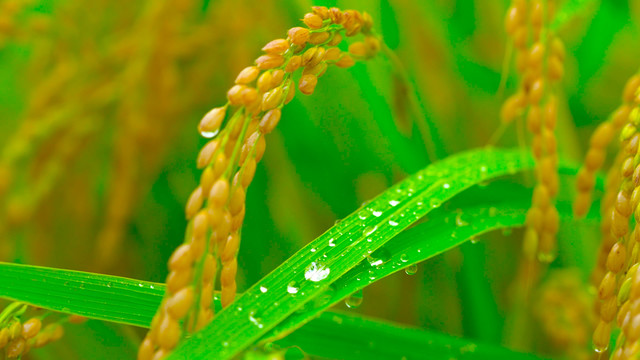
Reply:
x=99, y=106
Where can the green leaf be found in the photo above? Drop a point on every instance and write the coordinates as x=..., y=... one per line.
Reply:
x=310, y=272
x=336, y=335
x=96, y=296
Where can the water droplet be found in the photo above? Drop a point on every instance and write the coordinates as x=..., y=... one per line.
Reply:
x=411, y=269
x=293, y=288
x=313, y=250
x=331, y=242
x=404, y=258
x=363, y=214
x=263, y=289
x=316, y=272
x=369, y=230
x=434, y=203
x=377, y=213
x=354, y=300
x=394, y=202
x=255, y=320
x=474, y=240
x=209, y=134
x=446, y=185
x=460, y=221
x=393, y=223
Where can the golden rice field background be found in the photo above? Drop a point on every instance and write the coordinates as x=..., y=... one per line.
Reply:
x=444, y=164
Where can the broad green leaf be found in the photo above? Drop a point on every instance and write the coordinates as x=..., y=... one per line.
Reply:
x=310, y=272
x=96, y=296
x=336, y=335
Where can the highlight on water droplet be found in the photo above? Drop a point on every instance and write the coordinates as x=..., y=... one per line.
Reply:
x=394, y=202
x=377, y=213
x=332, y=242
x=263, y=289
x=255, y=320
x=316, y=272
x=293, y=288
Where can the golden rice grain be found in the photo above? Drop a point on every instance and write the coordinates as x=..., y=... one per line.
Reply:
x=270, y=121
x=250, y=73
x=269, y=61
x=145, y=352
x=293, y=64
x=213, y=119
x=15, y=348
x=308, y=84
x=298, y=35
x=278, y=47
x=179, y=303
x=318, y=38
x=313, y=21
x=169, y=333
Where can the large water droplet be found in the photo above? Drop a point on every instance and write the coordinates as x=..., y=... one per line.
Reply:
x=363, y=214
x=263, y=289
x=394, y=202
x=293, y=287
x=369, y=230
x=209, y=134
x=377, y=213
x=354, y=300
x=411, y=269
x=392, y=222
x=404, y=258
x=316, y=272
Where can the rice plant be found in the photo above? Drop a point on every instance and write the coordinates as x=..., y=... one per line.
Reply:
x=339, y=180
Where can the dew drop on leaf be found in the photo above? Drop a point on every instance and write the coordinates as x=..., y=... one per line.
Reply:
x=293, y=287
x=369, y=230
x=460, y=221
x=354, y=300
x=316, y=272
x=411, y=269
